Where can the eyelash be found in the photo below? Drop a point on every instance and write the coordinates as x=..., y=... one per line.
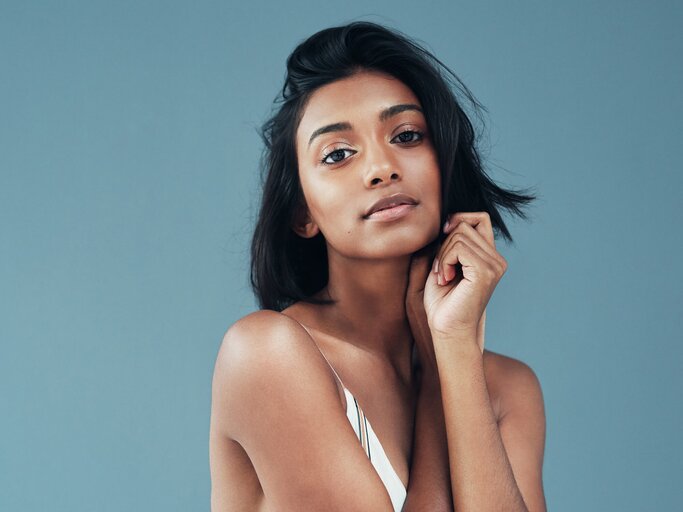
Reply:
x=416, y=132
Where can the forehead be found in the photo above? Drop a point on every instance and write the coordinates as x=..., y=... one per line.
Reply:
x=360, y=96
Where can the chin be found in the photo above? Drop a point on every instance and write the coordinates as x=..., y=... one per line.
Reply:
x=404, y=245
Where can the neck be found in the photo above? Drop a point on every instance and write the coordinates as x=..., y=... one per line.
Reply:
x=370, y=306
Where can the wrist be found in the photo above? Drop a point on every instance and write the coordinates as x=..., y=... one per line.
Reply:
x=459, y=336
x=462, y=344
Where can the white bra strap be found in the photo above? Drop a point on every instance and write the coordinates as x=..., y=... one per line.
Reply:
x=323, y=354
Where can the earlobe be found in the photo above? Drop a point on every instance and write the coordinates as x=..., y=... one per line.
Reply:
x=308, y=230
x=304, y=225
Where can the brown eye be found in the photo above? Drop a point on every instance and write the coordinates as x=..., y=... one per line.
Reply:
x=337, y=156
x=408, y=136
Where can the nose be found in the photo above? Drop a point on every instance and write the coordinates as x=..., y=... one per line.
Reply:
x=380, y=166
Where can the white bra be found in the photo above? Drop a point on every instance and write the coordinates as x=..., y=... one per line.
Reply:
x=375, y=451
x=373, y=448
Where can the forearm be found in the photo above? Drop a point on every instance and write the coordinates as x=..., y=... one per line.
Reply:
x=429, y=485
x=480, y=472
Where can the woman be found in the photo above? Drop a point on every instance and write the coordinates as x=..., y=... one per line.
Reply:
x=363, y=383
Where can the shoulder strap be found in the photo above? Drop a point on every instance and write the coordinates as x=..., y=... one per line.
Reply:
x=323, y=354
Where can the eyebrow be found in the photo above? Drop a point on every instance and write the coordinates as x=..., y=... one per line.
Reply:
x=385, y=114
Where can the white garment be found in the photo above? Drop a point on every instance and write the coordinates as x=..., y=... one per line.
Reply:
x=375, y=451
x=370, y=443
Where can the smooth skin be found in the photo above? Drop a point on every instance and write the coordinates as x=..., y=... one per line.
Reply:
x=485, y=443
x=279, y=437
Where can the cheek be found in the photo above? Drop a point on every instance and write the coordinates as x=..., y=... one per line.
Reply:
x=429, y=181
x=432, y=194
x=435, y=179
x=333, y=210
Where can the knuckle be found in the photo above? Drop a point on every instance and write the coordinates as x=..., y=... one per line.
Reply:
x=487, y=274
x=459, y=242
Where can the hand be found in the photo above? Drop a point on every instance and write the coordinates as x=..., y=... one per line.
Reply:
x=468, y=268
x=420, y=267
x=418, y=272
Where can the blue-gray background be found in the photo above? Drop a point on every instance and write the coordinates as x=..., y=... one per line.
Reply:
x=129, y=186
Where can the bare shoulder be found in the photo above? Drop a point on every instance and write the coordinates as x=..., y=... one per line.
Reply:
x=511, y=380
x=263, y=329
x=508, y=370
x=264, y=344
x=274, y=394
x=256, y=335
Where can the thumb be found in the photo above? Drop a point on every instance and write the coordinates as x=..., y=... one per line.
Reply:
x=420, y=266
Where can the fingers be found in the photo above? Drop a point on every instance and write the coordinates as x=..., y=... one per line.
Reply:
x=466, y=230
x=479, y=243
x=459, y=249
x=480, y=221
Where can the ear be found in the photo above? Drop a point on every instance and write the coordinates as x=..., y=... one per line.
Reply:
x=303, y=225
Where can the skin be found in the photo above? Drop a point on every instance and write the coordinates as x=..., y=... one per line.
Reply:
x=388, y=300
x=491, y=406
x=368, y=261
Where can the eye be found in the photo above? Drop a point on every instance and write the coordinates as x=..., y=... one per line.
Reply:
x=337, y=156
x=408, y=136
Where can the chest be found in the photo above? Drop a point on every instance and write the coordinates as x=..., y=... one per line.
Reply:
x=388, y=406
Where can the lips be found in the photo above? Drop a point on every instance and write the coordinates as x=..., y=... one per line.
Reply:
x=390, y=201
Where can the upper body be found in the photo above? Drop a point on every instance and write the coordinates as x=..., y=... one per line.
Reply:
x=363, y=169
x=278, y=421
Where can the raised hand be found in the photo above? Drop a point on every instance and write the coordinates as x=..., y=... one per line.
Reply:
x=465, y=271
x=420, y=267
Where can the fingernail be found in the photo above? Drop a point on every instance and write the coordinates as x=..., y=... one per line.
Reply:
x=435, y=265
x=445, y=224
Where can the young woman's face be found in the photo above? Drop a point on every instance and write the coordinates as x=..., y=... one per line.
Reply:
x=361, y=139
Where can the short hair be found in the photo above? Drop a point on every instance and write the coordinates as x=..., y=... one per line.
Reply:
x=285, y=267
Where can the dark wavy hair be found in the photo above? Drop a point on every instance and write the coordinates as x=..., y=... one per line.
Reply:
x=286, y=268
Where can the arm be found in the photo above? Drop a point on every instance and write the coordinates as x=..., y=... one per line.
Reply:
x=429, y=486
x=275, y=395
x=521, y=425
x=481, y=452
x=491, y=465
